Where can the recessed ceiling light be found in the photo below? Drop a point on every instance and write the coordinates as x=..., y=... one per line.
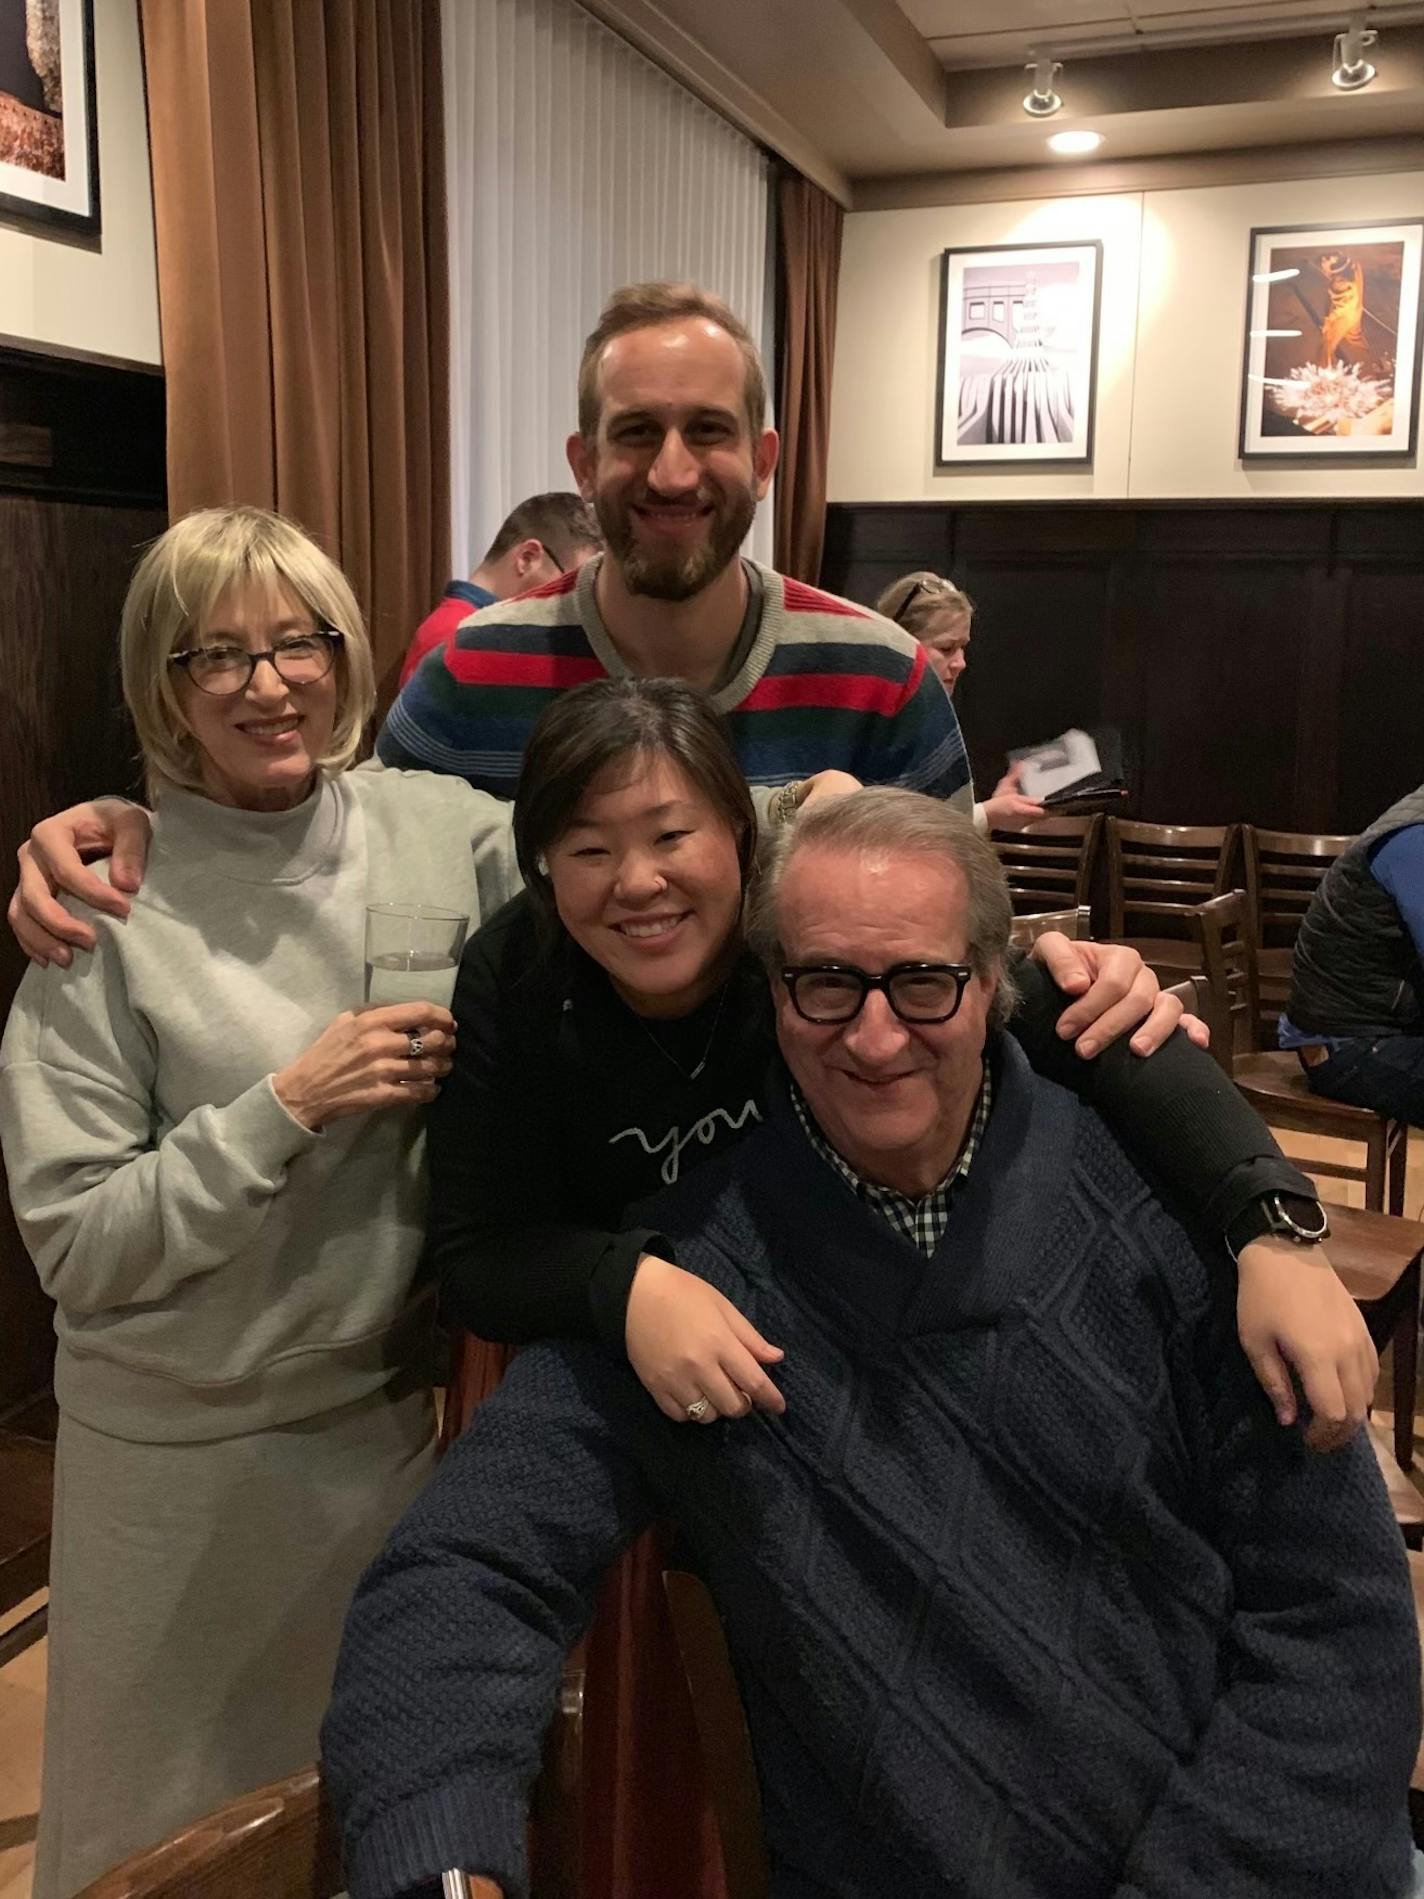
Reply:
x=1074, y=144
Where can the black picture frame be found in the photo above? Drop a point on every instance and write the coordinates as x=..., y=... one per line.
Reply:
x=81, y=217
x=1077, y=451
x=1267, y=432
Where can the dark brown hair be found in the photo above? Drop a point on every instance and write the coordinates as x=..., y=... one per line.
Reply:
x=594, y=726
x=648, y=307
x=562, y=523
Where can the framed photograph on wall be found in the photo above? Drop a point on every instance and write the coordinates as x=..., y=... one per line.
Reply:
x=1331, y=362
x=49, y=136
x=1018, y=354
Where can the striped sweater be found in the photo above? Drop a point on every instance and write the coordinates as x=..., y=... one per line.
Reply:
x=824, y=685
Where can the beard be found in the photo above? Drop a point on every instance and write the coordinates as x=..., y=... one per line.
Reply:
x=673, y=575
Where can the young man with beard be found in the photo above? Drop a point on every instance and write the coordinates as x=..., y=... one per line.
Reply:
x=673, y=452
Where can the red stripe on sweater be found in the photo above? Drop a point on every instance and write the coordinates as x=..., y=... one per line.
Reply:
x=853, y=692
x=473, y=667
x=803, y=599
x=547, y=589
x=917, y=673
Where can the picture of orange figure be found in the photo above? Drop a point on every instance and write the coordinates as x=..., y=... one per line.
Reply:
x=1345, y=281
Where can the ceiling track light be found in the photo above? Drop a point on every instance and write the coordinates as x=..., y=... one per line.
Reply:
x=1041, y=101
x=1352, y=69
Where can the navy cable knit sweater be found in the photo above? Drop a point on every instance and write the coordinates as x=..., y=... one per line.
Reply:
x=1028, y=1595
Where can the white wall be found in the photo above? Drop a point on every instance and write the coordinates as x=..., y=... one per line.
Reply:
x=104, y=301
x=1173, y=319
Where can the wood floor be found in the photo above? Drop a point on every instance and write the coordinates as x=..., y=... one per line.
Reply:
x=21, y=1731
x=22, y=1683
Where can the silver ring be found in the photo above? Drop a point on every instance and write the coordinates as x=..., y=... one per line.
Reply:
x=415, y=1046
x=698, y=1409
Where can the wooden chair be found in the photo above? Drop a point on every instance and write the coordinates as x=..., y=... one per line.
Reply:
x=1051, y=866
x=1404, y=1497
x=277, y=1843
x=1076, y=923
x=1157, y=873
x=26, y=1500
x=281, y=1842
x=1283, y=870
x=722, y=1731
x=1377, y=1256
x=1274, y=1081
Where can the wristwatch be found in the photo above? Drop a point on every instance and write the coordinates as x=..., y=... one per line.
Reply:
x=1291, y=1216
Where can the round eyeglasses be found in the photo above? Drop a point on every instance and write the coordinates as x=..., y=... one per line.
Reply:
x=917, y=992
x=299, y=660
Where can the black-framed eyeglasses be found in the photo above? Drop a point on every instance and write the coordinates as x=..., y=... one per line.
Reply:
x=549, y=554
x=918, y=992
x=225, y=667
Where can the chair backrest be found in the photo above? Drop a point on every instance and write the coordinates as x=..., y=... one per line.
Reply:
x=1222, y=932
x=722, y=1731
x=1160, y=871
x=1026, y=930
x=1283, y=869
x=1050, y=866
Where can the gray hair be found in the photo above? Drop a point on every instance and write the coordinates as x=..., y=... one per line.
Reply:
x=890, y=820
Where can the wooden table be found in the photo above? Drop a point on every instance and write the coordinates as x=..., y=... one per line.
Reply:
x=1377, y=1255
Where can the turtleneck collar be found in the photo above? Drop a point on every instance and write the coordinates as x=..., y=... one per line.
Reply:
x=253, y=847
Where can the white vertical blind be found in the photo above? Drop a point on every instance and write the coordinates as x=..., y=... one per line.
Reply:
x=574, y=166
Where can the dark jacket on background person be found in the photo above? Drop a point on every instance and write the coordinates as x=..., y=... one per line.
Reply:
x=1356, y=969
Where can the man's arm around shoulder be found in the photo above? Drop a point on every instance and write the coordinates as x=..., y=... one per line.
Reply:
x=455, y=1642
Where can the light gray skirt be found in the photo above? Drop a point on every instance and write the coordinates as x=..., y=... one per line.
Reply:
x=197, y=1593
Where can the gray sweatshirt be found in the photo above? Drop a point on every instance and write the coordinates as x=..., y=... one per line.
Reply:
x=217, y=1267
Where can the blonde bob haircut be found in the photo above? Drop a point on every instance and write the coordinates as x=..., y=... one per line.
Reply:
x=171, y=598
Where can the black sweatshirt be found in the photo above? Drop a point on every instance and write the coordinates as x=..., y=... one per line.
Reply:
x=564, y=1109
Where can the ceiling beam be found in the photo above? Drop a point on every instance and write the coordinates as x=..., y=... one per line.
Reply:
x=1186, y=77
x=1185, y=172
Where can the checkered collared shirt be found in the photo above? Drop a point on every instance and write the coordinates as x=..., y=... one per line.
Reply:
x=922, y=1222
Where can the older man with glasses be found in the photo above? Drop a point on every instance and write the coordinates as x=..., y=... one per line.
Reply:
x=1026, y=1592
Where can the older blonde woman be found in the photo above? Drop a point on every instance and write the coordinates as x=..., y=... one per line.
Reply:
x=215, y=1162
x=940, y=615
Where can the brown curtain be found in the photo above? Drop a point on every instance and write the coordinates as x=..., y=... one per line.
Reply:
x=299, y=199
x=809, y=261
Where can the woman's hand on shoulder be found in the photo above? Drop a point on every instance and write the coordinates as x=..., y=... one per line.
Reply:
x=687, y=1343
x=823, y=785
x=367, y=1058
x=52, y=859
x=1115, y=994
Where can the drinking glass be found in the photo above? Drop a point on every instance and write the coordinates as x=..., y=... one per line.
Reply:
x=412, y=952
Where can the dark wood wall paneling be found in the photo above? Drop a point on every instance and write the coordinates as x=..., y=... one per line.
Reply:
x=1264, y=661
x=81, y=488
